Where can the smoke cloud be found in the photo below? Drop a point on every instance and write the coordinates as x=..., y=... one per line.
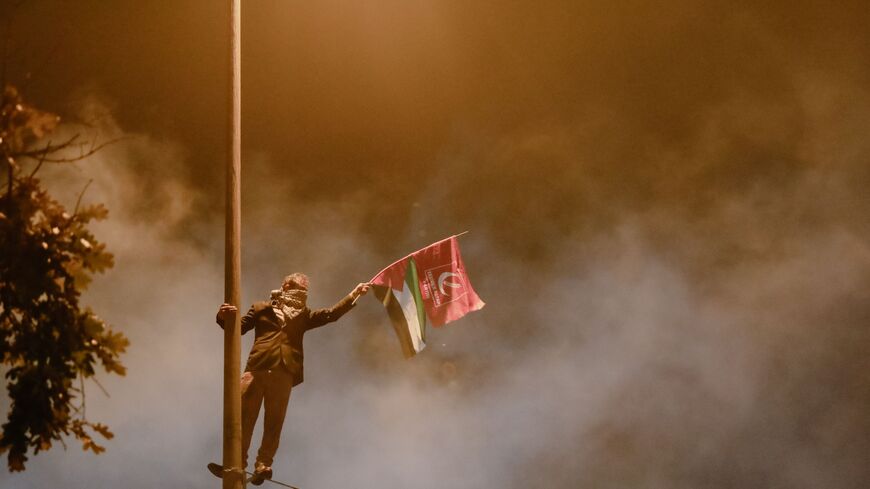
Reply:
x=667, y=212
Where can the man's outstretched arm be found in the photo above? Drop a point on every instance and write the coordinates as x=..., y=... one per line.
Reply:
x=319, y=317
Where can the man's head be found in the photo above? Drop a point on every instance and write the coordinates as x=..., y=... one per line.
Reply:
x=295, y=281
x=293, y=294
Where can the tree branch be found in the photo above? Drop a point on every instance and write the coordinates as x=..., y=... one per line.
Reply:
x=48, y=149
x=82, y=383
x=41, y=161
x=101, y=386
x=43, y=154
x=79, y=200
x=82, y=155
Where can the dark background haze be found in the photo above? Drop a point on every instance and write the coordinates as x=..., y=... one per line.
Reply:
x=669, y=221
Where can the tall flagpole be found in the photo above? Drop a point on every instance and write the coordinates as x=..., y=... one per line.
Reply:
x=232, y=449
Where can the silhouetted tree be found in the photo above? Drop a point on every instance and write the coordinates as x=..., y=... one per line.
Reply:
x=48, y=342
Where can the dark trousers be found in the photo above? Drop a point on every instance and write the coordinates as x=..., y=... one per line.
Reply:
x=270, y=388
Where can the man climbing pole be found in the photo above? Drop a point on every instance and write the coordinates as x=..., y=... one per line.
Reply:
x=275, y=361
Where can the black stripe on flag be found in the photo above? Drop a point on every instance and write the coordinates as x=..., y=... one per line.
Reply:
x=397, y=317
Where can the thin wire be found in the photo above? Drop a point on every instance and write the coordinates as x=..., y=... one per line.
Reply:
x=274, y=481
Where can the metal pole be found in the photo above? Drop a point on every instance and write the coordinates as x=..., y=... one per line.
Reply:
x=232, y=450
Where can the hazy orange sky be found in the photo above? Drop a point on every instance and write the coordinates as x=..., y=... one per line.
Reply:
x=668, y=216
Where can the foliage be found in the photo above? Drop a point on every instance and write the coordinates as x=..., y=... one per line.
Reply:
x=48, y=342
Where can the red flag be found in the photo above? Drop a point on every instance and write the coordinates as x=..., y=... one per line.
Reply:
x=438, y=281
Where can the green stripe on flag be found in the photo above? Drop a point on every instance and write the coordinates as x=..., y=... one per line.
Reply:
x=414, y=286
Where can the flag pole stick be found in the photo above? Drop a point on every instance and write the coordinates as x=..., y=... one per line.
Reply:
x=234, y=475
x=409, y=254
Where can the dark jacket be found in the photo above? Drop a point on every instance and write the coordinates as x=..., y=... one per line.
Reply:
x=281, y=346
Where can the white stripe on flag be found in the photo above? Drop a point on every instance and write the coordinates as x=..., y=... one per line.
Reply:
x=409, y=309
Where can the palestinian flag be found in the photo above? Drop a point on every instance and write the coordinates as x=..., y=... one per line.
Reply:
x=429, y=286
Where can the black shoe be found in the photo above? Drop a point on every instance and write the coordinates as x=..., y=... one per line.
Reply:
x=261, y=473
x=216, y=470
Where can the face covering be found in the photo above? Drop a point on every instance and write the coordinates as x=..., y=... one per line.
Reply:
x=291, y=301
x=294, y=297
